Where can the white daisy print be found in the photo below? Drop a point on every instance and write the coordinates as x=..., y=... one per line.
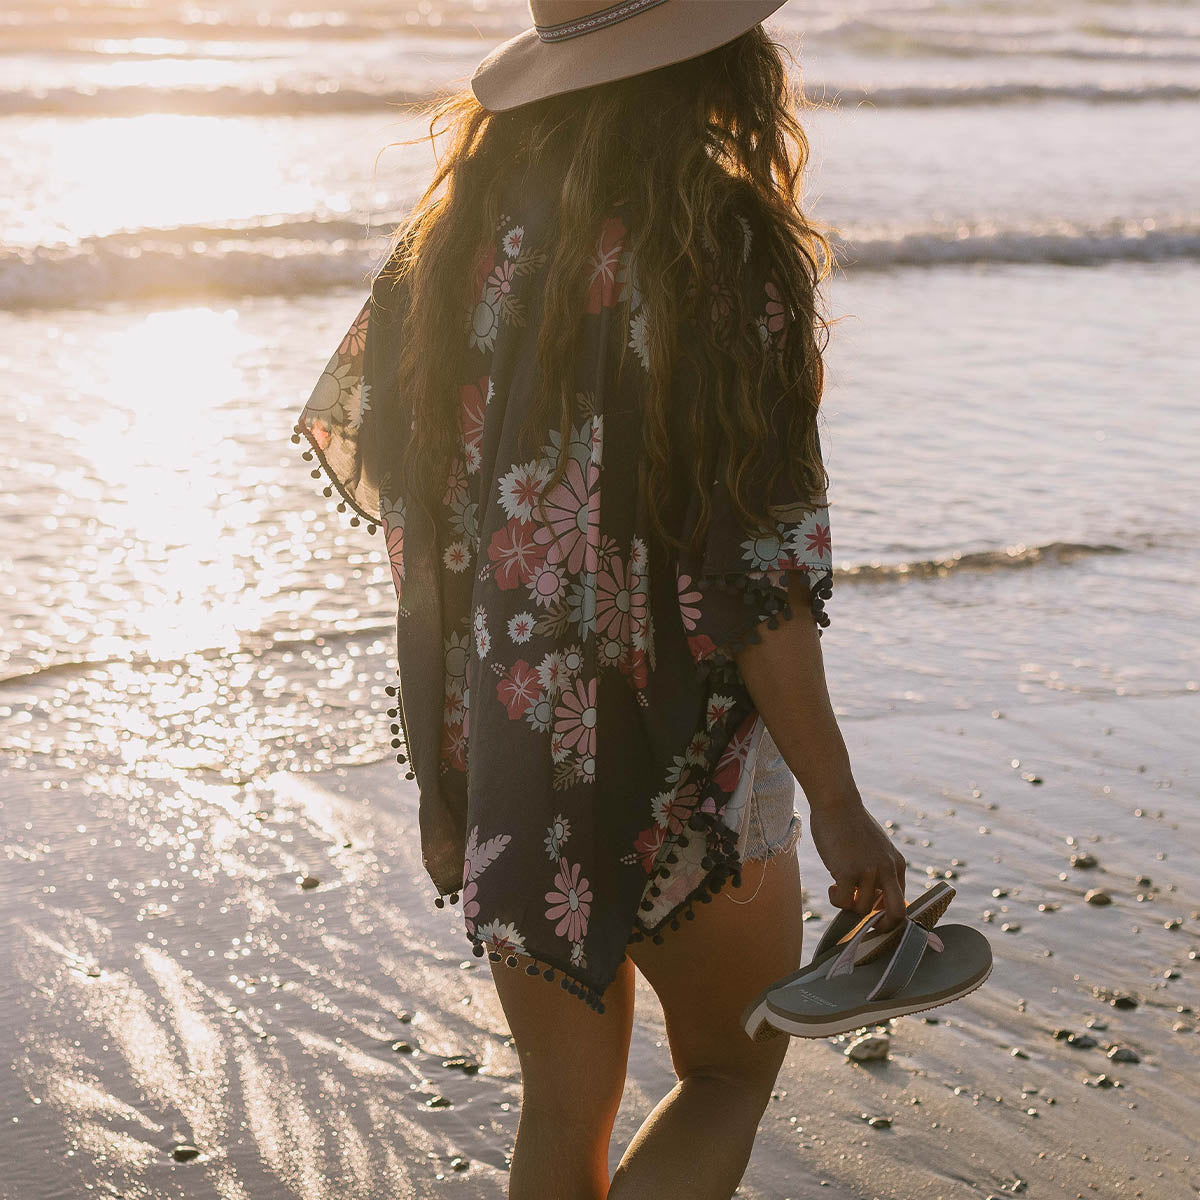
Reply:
x=520, y=628
x=556, y=836
x=483, y=639
x=513, y=239
x=521, y=487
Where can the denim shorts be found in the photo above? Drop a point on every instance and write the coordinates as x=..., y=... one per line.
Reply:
x=770, y=822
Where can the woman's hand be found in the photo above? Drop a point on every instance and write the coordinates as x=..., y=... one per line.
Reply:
x=860, y=856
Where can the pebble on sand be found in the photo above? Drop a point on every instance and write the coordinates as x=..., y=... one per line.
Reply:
x=403, y=1047
x=459, y=1163
x=437, y=1102
x=1084, y=861
x=1098, y=896
x=871, y=1047
x=310, y=881
x=462, y=1063
x=1124, y=1054
x=877, y=1122
x=184, y=1152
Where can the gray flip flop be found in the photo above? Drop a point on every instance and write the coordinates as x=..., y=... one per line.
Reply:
x=926, y=970
x=925, y=910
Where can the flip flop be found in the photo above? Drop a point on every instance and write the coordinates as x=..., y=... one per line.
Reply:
x=926, y=970
x=925, y=910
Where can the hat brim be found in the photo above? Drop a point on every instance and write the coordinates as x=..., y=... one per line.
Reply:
x=525, y=68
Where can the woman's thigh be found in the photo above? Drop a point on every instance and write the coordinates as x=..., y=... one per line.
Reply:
x=707, y=971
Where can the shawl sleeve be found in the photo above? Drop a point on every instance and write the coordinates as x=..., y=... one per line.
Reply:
x=739, y=576
x=351, y=420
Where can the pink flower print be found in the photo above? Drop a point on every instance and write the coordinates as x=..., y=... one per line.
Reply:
x=471, y=409
x=547, y=584
x=356, y=335
x=470, y=906
x=571, y=900
x=320, y=432
x=572, y=529
x=690, y=600
x=614, y=601
x=649, y=843
x=519, y=689
x=516, y=555
x=729, y=768
x=500, y=280
x=575, y=718
x=602, y=281
x=819, y=541
x=776, y=314
x=394, y=540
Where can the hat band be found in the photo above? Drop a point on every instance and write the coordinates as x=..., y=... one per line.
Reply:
x=597, y=20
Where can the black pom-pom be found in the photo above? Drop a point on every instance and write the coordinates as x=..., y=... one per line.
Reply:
x=327, y=490
x=564, y=983
x=494, y=955
x=548, y=973
x=683, y=841
x=672, y=857
x=655, y=890
x=658, y=939
x=315, y=472
x=599, y=1006
x=341, y=506
x=736, y=880
x=396, y=743
x=454, y=897
x=691, y=916
x=395, y=728
x=410, y=775
x=704, y=897
x=532, y=969
x=371, y=526
x=674, y=922
x=390, y=689
x=477, y=950
x=439, y=902
x=695, y=821
x=706, y=862
x=647, y=905
x=296, y=438
x=401, y=759
x=307, y=456
x=355, y=521
x=511, y=961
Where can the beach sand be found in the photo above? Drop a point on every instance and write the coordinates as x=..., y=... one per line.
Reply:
x=172, y=985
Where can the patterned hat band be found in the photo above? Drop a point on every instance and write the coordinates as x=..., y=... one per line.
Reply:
x=601, y=19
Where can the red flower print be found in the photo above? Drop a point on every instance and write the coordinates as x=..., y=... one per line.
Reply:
x=633, y=665
x=819, y=541
x=572, y=530
x=516, y=555
x=701, y=646
x=571, y=900
x=454, y=746
x=474, y=398
x=690, y=600
x=519, y=689
x=575, y=718
x=729, y=769
x=649, y=843
x=602, y=282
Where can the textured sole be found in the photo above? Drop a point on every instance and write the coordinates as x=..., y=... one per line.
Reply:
x=754, y=1016
x=865, y=1020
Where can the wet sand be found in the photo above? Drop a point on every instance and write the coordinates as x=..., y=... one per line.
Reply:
x=172, y=985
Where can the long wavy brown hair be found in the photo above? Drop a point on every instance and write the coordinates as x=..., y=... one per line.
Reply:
x=688, y=145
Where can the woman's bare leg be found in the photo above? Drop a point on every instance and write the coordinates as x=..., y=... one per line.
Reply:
x=697, y=1141
x=573, y=1063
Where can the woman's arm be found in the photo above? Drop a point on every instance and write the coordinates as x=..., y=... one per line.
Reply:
x=785, y=675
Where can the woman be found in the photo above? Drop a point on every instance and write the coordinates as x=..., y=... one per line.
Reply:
x=581, y=401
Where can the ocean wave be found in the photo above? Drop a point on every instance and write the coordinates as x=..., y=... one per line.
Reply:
x=332, y=98
x=298, y=255
x=975, y=560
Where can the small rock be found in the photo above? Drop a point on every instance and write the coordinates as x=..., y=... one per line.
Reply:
x=1124, y=1054
x=1048, y=907
x=871, y=1047
x=1084, y=861
x=459, y=1164
x=1011, y=927
x=437, y=1102
x=1171, y=973
x=403, y=1047
x=1098, y=896
x=1173, y=923
x=184, y=1152
x=1143, y=881
x=1032, y=778
x=1061, y=1035
x=1106, y=1081
x=1124, y=1001
x=999, y=893
x=1081, y=1041
x=1096, y=1023
x=1017, y=1052
x=309, y=882
x=462, y=1063
x=1181, y=1027
x=404, y=1017
x=880, y=1122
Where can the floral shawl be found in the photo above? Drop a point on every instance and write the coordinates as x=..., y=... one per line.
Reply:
x=568, y=699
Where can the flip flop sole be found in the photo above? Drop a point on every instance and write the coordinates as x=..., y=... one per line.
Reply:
x=927, y=909
x=821, y=1008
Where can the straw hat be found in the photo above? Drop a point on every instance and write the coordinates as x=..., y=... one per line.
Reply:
x=576, y=44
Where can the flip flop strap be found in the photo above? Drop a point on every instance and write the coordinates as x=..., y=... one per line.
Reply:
x=904, y=961
x=837, y=929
